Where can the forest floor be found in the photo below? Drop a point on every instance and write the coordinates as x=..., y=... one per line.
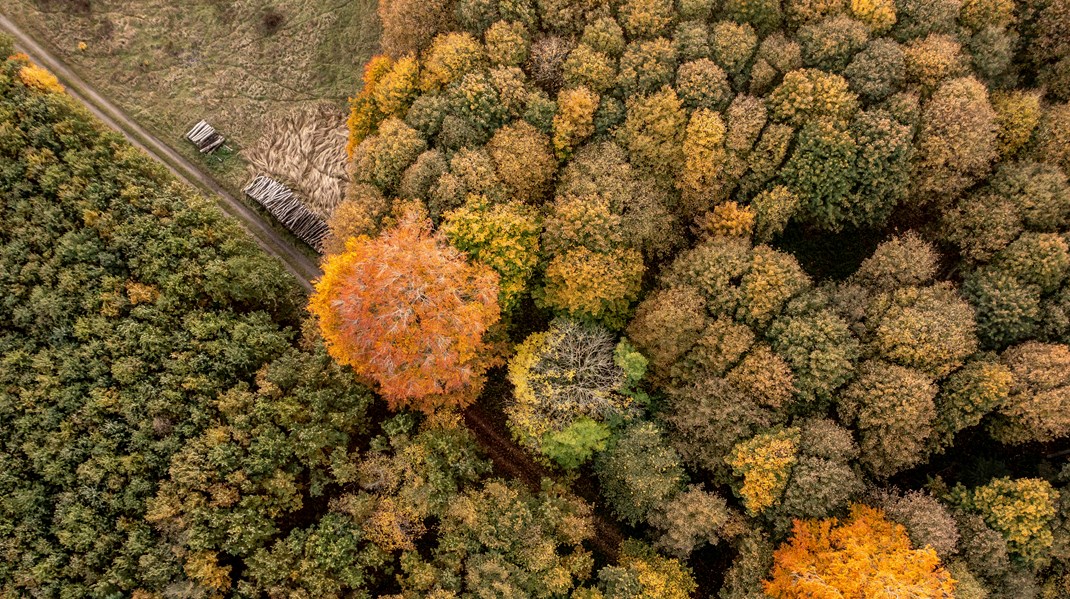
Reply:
x=242, y=65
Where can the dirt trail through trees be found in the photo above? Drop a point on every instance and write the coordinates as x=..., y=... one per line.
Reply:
x=510, y=460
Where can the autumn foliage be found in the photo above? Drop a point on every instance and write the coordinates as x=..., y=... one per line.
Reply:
x=866, y=556
x=409, y=313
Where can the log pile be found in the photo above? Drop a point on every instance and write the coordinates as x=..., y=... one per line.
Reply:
x=284, y=206
x=205, y=137
x=307, y=148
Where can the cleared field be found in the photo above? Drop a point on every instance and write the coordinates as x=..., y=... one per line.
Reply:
x=245, y=66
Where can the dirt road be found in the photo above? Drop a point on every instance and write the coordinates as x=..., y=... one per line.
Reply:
x=273, y=242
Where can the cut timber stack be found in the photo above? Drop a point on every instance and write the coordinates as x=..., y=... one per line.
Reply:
x=205, y=137
x=284, y=206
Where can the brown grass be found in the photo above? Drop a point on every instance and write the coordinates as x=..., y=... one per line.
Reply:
x=170, y=63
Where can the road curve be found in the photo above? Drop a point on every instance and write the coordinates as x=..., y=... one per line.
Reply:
x=304, y=268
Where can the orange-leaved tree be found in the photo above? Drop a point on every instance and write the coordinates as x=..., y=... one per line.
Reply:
x=408, y=312
x=863, y=557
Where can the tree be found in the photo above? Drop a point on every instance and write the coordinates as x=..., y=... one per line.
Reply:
x=410, y=26
x=882, y=165
x=829, y=44
x=878, y=71
x=764, y=463
x=691, y=520
x=450, y=57
x=1008, y=311
x=777, y=55
x=864, y=556
x=408, y=313
x=360, y=214
x=984, y=550
x=809, y=94
x=420, y=178
x=653, y=133
x=646, y=18
x=1022, y=510
x=704, y=155
x=574, y=121
x=919, y=18
x=666, y=325
x=381, y=158
x=992, y=52
x=587, y=221
x=1053, y=141
x=573, y=446
x=928, y=522
x=766, y=158
x=604, y=35
x=587, y=67
x=728, y=219
x=933, y=59
x=893, y=410
x=708, y=417
x=498, y=538
x=1018, y=114
x=930, y=329
x=471, y=173
x=764, y=15
x=1036, y=409
x=593, y=286
x=561, y=375
x=397, y=88
x=821, y=173
x=524, y=160
x=717, y=268
x=639, y=473
x=878, y=15
x=508, y=43
x=773, y=209
x=904, y=261
x=1040, y=259
x=957, y=142
x=328, y=559
x=646, y=66
x=641, y=572
x=823, y=478
x=600, y=175
x=504, y=237
x=566, y=17
x=773, y=279
x=817, y=343
x=691, y=40
x=1038, y=190
x=732, y=45
x=968, y=395
x=982, y=224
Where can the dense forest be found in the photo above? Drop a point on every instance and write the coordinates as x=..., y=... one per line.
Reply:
x=772, y=296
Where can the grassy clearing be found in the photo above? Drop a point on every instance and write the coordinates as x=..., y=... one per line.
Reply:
x=243, y=65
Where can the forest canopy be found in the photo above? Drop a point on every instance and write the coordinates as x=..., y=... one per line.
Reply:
x=780, y=272
x=626, y=299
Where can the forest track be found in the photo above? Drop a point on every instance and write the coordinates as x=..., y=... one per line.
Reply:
x=273, y=242
x=509, y=459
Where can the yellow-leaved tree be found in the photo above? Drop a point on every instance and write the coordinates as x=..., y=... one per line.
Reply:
x=863, y=557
